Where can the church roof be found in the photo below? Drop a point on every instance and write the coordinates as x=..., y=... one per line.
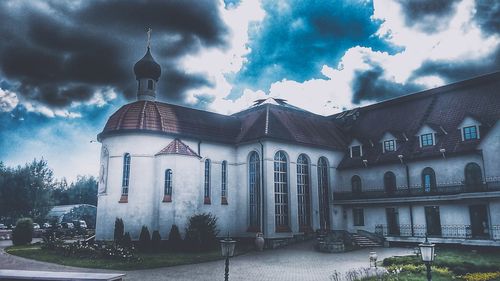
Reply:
x=178, y=147
x=147, y=67
x=279, y=122
x=442, y=109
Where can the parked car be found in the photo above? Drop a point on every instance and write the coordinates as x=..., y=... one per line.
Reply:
x=36, y=226
x=3, y=226
x=80, y=224
x=68, y=225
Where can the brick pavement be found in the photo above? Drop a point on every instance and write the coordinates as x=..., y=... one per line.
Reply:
x=296, y=262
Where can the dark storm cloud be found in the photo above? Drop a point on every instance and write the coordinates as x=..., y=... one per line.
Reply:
x=370, y=85
x=296, y=38
x=428, y=15
x=67, y=51
x=177, y=82
x=460, y=70
x=488, y=15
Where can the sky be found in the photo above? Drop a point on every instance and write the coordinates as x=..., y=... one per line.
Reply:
x=66, y=66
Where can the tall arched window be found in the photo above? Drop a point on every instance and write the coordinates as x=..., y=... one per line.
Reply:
x=167, y=196
x=473, y=176
x=428, y=180
x=356, y=184
x=323, y=187
x=223, y=188
x=206, y=189
x=254, y=190
x=281, y=191
x=390, y=182
x=303, y=193
x=126, y=174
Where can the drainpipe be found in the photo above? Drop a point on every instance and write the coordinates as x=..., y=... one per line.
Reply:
x=199, y=147
x=262, y=186
x=409, y=204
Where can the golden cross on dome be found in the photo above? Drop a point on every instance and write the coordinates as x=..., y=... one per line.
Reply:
x=149, y=37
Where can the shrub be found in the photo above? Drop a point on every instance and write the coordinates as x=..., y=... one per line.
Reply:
x=119, y=229
x=174, y=239
x=23, y=233
x=201, y=233
x=144, y=239
x=127, y=241
x=481, y=276
x=156, y=241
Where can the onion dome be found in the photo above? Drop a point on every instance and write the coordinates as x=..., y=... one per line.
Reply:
x=147, y=67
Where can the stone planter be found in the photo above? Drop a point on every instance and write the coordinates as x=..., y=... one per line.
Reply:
x=331, y=247
x=259, y=241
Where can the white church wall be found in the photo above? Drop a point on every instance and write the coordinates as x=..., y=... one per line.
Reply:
x=491, y=149
x=372, y=177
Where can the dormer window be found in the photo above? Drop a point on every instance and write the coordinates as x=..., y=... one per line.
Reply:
x=389, y=145
x=426, y=140
x=470, y=133
x=356, y=151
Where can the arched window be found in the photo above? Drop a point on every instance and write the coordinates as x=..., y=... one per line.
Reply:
x=223, y=188
x=281, y=191
x=323, y=187
x=126, y=174
x=167, y=196
x=206, y=189
x=428, y=180
x=303, y=193
x=473, y=177
x=389, y=182
x=254, y=190
x=356, y=184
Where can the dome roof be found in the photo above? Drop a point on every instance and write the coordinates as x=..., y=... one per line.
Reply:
x=147, y=67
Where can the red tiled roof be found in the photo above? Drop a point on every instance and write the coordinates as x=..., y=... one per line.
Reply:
x=442, y=109
x=265, y=121
x=178, y=147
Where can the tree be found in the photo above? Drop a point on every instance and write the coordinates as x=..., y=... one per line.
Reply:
x=174, y=239
x=201, y=233
x=119, y=229
x=144, y=239
x=23, y=233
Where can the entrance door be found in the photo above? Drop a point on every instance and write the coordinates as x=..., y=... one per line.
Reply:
x=433, y=221
x=479, y=221
x=392, y=221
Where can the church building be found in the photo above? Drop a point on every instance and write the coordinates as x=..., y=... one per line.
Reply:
x=424, y=163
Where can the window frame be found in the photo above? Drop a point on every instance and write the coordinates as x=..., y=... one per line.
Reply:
x=304, y=192
x=281, y=192
x=425, y=142
x=223, y=190
x=360, y=151
x=428, y=171
x=206, y=185
x=150, y=85
x=465, y=134
x=167, y=186
x=324, y=192
x=359, y=188
x=254, y=182
x=389, y=146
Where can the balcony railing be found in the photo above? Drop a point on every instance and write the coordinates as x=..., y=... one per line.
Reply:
x=442, y=189
x=446, y=231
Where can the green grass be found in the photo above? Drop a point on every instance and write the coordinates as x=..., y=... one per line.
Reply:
x=147, y=260
x=460, y=261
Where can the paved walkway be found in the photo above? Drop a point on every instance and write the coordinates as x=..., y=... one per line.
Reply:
x=296, y=262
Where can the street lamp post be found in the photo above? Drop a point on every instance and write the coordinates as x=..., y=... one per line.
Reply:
x=227, y=250
x=427, y=253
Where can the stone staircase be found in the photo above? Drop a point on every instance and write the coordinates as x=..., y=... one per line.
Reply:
x=364, y=242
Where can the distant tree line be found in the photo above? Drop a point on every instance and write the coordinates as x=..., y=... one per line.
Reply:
x=31, y=190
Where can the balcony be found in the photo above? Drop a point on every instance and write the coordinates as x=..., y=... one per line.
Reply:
x=446, y=231
x=491, y=184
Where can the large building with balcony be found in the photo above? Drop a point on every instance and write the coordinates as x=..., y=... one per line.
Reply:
x=425, y=163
